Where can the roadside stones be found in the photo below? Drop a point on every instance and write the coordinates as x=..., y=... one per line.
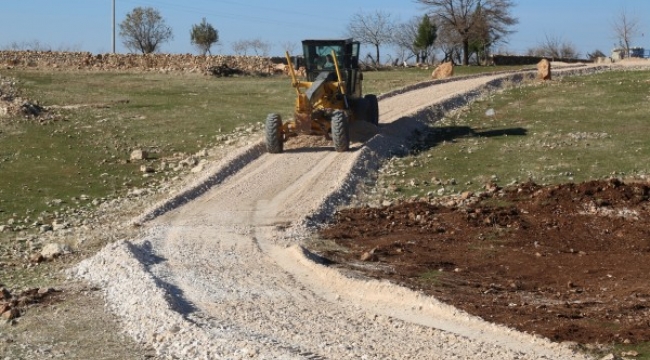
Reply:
x=53, y=250
x=4, y=294
x=369, y=256
x=198, y=168
x=544, y=70
x=9, y=313
x=443, y=71
x=139, y=154
x=12, y=305
x=146, y=169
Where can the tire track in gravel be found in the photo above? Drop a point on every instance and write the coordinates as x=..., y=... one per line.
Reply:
x=228, y=263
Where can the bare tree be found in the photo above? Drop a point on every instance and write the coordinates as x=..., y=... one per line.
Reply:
x=144, y=29
x=467, y=17
x=372, y=28
x=258, y=46
x=625, y=28
x=33, y=45
x=240, y=47
x=556, y=48
x=449, y=43
x=404, y=38
x=289, y=46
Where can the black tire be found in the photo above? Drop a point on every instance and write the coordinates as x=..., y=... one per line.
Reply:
x=372, y=109
x=274, y=143
x=340, y=131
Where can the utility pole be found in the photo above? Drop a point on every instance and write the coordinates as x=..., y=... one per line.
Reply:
x=113, y=26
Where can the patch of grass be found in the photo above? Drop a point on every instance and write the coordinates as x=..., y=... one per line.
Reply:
x=434, y=277
x=86, y=152
x=569, y=130
x=642, y=349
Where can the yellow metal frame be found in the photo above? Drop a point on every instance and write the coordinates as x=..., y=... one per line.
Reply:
x=307, y=118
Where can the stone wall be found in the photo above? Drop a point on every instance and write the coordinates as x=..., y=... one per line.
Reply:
x=528, y=60
x=130, y=62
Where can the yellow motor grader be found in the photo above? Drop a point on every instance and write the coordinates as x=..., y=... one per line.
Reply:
x=329, y=98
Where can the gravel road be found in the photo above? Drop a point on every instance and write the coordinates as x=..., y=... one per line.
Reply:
x=220, y=272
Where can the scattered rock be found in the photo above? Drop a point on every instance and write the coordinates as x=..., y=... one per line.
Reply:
x=544, y=70
x=198, y=168
x=36, y=258
x=10, y=314
x=443, y=71
x=4, y=294
x=369, y=256
x=53, y=250
x=466, y=195
x=139, y=154
x=630, y=353
x=610, y=357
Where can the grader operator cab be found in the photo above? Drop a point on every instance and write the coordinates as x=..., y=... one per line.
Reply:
x=328, y=99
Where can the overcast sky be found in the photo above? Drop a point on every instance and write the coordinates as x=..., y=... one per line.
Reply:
x=86, y=25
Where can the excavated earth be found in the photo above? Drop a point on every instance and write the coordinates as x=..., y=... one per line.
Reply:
x=568, y=262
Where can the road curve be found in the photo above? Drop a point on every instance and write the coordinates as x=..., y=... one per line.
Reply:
x=223, y=275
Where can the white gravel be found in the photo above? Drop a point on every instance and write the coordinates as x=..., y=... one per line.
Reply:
x=219, y=272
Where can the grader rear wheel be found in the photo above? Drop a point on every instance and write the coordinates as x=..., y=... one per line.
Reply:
x=372, y=109
x=274, y=143
x=340, y=131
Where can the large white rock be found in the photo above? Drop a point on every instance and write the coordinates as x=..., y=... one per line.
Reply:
x=52, y=250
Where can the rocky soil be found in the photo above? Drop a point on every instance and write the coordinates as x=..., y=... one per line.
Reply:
x=566, y=262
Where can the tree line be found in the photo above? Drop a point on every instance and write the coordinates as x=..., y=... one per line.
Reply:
x=463, y=31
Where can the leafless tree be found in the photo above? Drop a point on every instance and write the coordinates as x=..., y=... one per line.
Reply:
x=404, y=38
x=258, y=46
x=33, y=45
x=556, y=48
x=467, y=18
x=626, y=28
x=449, y=43
x=372, y=28
x=240, y=47
x=289, y=46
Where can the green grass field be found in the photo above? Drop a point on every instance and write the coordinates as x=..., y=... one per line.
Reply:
x=569, y=130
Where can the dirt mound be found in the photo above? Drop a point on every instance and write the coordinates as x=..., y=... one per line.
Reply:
x=568, y=262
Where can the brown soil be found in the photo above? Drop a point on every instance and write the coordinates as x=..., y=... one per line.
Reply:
x=568, y=262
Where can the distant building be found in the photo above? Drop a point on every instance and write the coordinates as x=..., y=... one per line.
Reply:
x=635, y=52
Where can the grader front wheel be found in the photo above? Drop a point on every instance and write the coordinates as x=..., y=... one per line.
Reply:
x=340, y=131
x=274, y=143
